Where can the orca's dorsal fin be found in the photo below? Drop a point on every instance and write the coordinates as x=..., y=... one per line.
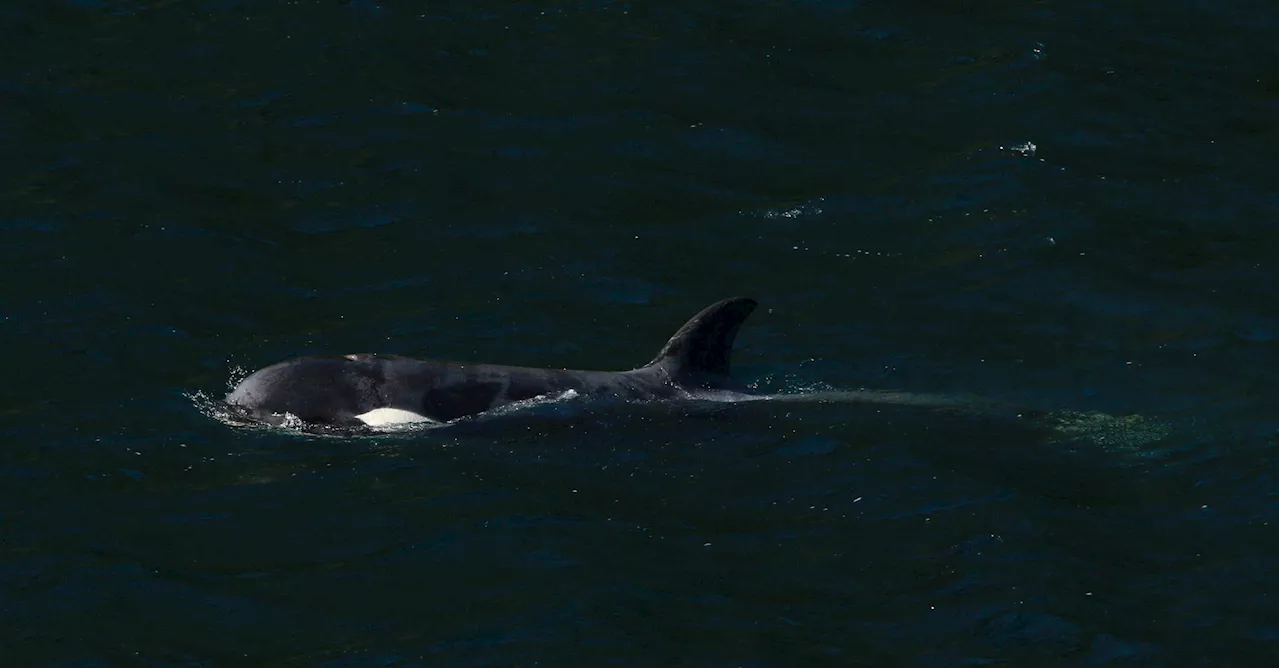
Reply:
x=701, y=349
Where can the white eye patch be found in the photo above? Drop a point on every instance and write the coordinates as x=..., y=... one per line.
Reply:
x=381, y=417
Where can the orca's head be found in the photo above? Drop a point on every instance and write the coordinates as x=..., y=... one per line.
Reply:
x=321, y=390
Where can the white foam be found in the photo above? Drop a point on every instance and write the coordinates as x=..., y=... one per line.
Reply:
x=381, y=417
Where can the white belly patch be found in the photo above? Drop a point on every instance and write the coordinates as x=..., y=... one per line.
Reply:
x=381, y=417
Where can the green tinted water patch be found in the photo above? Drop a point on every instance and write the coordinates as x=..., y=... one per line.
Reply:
x=1118, y=433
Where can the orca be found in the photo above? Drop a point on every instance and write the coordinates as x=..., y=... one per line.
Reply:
x=373, y=389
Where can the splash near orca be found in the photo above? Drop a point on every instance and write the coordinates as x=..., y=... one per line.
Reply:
x=376, y=390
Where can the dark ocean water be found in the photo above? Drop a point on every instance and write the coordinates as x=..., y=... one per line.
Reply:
x=1064, y=206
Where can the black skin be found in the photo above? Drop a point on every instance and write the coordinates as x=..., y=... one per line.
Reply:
x=333, y=390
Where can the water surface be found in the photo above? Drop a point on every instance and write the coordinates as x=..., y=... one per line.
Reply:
x=1064, y=206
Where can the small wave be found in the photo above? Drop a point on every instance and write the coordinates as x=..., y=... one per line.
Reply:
x=220, y=410
x=1129, y=433
x=1132, y=435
